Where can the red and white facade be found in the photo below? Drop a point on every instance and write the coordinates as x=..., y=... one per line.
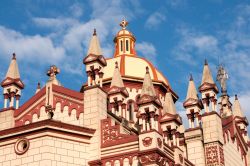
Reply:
x=124, y=114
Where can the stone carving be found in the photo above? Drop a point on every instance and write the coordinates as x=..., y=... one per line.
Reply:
x=147, y=141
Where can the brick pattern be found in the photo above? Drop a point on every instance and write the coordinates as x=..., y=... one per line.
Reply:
x=6, y=119
x=212, y=128
x=46, y=151
x=95, y=109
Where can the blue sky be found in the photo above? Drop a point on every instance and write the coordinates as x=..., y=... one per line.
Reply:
x=176, y=35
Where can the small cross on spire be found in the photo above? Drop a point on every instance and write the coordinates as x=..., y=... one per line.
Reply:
x=124, y=24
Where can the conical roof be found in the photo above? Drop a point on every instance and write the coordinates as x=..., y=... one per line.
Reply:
x=13, y=71
x=191, y=92
x=237, y=111
x=147, y=87
x=117, y=79
x=207, y=76
x=94, y=46
x=169, y=106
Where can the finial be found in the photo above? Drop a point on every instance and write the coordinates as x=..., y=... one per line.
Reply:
x=38, y=85
x=236, y=97
x=14, y=56
x=53, y=71
x=116, y=64
x=206, y=62
x=124, y=24
x=191, y=77
x=147, y=70
x=94, y=33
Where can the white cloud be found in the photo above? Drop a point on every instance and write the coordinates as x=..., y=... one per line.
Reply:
x=31, y=48
x=76, y=10
x=147, y=50
x=154, y=20
x=194, y=44
x=54, y=23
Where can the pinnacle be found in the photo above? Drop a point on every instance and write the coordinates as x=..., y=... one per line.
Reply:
x=148, y=87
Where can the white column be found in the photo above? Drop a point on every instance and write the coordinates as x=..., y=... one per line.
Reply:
x=178, y=141
x=89, y=78
x=119, y=110
x=5, y=103
x=96, y=78
x=213, y=106
x=17, y=104
x=152, y=122
x=189, y=122
x=12, y=101
x=197, y=121
x=192, y=124
x=156, y=125
x=174, y=139
x=143, y=124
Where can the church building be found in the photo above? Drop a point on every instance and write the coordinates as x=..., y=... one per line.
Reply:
x=124, y=115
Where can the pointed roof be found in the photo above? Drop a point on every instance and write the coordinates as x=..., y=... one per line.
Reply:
x=207, y=76
x=13, y=71
x=191, y=92
x=117, y=85
x=94, y=46
x=237, y=111
x=12, y=75
x=168, y=105
x=117, y=79
x=147, y=87
x=94, y=52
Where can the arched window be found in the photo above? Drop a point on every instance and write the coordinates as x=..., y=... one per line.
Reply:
x=126, y=45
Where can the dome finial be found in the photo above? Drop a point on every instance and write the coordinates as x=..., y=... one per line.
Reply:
x=124, y=24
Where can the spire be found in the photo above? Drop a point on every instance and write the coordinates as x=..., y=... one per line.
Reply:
x=207, y=77
x=13, y=71
x=147, y=87
x=169, y=106
x=117, y=79
x=94, y=46
x=191, y=93
x=237, y=111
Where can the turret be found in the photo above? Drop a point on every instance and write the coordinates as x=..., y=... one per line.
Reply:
x=117, y=94
x=170, y=121
x=95, y=62
x=12, y=85
x=149, y=105
x=192, y=105
x=208, y=90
